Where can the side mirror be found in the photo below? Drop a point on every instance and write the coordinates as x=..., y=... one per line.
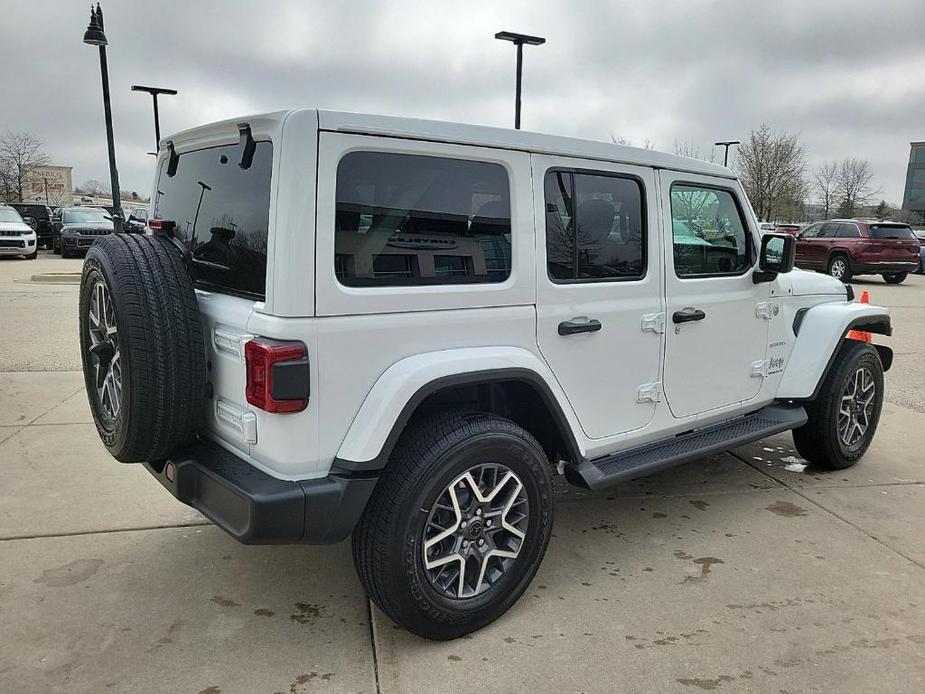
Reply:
x=777, y=255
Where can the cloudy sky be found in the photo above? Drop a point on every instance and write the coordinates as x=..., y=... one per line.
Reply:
x=847, y=75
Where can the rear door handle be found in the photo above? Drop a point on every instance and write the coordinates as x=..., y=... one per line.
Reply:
x=579, y=325
x=687, y=315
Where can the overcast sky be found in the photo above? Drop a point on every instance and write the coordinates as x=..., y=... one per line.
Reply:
x=847, y=75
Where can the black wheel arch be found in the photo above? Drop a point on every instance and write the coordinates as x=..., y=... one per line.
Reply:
x=511, y=385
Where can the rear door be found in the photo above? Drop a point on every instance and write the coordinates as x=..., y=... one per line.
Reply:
x=600, y=313
x=717, y=335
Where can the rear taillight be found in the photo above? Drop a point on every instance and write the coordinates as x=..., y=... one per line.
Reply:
x=277, y=375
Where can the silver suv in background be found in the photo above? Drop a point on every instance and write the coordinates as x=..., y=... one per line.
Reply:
x=16, y=237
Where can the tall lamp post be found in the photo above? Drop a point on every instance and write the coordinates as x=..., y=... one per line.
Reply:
x=727, y=144
x=519, y=40
x=154, y=91
x=94, y=36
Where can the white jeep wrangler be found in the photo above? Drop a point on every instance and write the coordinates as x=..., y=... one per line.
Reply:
x=402, y=329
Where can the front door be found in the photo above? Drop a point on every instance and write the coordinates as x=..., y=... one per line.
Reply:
x=599, y=290
x=716, y=336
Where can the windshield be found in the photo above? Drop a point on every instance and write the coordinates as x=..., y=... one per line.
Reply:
x=891, y=231
x=8, y=214
x=85, y=215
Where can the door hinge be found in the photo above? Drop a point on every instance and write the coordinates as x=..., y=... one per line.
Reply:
x=760, y=368
x=653, y=322
x=649, y=392
x=767, y=310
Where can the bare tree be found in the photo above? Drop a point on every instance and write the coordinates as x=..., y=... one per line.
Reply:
x=853, y=185
x=771, y=166
x=824, y=185
x=18, y=152
x=619, y=140
x=93, y=187
x=686, y=148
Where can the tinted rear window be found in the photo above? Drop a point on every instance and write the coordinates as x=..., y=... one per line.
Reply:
x=222, y=213
x=891, y=231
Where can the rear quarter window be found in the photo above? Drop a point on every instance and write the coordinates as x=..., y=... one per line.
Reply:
x=222, y=214
x=411, y=220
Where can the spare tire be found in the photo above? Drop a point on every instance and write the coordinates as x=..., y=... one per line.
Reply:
x=141, y=345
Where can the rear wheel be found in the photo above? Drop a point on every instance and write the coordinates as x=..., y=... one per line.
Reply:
x=895, y=277
x=840, y=268
x=843, y=417
x=458, y=524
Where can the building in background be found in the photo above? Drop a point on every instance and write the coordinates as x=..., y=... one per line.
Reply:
x=914, y=193
x=49, y=184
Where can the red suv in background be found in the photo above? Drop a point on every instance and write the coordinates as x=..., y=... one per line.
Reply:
x=847, y=247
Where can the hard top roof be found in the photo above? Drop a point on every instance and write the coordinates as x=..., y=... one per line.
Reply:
x=476, y=135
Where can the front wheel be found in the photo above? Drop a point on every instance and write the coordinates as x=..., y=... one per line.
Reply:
x=458, y=524
x=844, y=416
x=840, y=268
x=895, y=277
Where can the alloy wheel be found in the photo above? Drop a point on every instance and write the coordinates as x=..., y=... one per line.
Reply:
x=105, y=355
x=856, y=407
x=838, y=268
x=475, y=531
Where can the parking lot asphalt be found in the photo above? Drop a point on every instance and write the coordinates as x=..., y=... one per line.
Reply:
x=731, y=574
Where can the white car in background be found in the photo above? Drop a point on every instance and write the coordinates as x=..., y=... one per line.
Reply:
x=16, y=237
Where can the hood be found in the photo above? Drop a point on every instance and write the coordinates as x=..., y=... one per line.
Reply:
x=805, y=282
x=77, y=226
x=21, y=227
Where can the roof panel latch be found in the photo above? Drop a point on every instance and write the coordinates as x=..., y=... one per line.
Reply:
x=173, y=160
x=248, y=146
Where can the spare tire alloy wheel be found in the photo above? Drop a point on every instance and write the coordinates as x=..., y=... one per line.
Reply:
x=104, y=353
x=142, y=347
x=475, y=530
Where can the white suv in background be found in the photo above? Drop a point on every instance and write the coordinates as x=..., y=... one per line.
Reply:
x=16, y=237
x=402, y=329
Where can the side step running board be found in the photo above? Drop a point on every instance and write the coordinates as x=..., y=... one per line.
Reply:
x=638, y=462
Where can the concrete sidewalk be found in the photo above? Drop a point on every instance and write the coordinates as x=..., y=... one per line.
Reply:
x=729, y=574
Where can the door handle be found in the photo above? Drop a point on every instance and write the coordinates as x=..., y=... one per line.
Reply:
x=687, y=315
x=579, y=325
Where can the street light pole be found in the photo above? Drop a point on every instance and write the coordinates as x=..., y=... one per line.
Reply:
x=727, y=145
x=94, y=36
x=154, y=91
x=202, y=192
x=519, y=40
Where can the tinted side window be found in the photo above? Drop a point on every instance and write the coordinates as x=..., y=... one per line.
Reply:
x=829, y=230
x=709, y=235
x=595, y=227
x=811, y=231
x=847, y=231
x=222, y=213
x=404, y=219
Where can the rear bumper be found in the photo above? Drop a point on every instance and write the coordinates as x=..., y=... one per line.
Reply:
x=255, y=508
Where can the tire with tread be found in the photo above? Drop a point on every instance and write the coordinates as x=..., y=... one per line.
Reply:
x=818, y=441
x=387, y=541
x=161, y=345
x=847, y=274
x=895, y=277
